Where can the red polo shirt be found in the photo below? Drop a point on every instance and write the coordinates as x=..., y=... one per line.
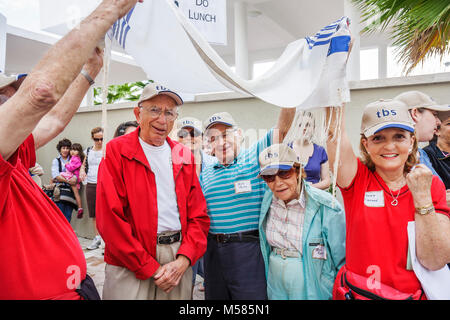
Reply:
x=377, y=238
x=41, y=257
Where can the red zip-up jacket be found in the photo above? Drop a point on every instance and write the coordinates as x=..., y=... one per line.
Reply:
x=127, y=211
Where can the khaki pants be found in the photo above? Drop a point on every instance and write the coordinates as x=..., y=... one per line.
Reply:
x=122, y=284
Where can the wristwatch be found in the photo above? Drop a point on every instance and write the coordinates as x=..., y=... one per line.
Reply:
x=87, y=76
x=425, y=210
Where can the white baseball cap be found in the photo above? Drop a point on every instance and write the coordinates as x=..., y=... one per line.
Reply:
x=277, y=157
x=383, y=114
x=190, y=122
x=6, y=80
x=221, y=117
x=417, y=99
x=153, y=89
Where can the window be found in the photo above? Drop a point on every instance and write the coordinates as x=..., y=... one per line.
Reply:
x=431, y=65
x=369, y=64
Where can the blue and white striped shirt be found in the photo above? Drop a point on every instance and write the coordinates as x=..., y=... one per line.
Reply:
x=228, y=210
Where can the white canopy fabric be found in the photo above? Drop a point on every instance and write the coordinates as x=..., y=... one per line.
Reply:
x=310, y=73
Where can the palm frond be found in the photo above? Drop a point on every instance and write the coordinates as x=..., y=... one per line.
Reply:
x=421, y=28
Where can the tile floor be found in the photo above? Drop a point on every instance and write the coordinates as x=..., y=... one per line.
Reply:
x=96, y=269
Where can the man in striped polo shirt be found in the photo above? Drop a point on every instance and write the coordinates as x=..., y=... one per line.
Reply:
x=234, y=267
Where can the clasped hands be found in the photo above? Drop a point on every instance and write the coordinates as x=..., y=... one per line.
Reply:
x=168, y=276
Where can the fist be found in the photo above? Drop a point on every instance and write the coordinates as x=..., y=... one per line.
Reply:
x=419, y=183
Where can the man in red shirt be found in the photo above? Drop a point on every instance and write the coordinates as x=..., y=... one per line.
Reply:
x=150, y=208
x=41, y=255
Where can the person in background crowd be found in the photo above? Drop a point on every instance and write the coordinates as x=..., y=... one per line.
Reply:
x=301, y=230
x=151, y=211
x=423, y=110
x=234, y=266
x=88, y=173
x=65, y=197
x=72, y=173
x=190, y=134
x=313, y=157
x=125, y=128
x=41, y=255
x=382, y=192
x=439, y=151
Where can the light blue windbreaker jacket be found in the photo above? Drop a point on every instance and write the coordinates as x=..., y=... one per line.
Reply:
x=323, y=224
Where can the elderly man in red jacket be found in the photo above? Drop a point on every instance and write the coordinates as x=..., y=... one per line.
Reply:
x=150, y=208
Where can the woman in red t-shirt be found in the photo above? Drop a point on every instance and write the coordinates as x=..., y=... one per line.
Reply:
x=383, y=191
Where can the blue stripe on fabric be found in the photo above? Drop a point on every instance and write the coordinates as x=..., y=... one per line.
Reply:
x=229, y=190
x=125, y=36
x=324, y=35
x=226, y=193
x=339, y=44
x=226, y=176
x=121, y=30
x=233, y=223
x=243, y=207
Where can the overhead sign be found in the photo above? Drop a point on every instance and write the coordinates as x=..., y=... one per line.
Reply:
x=208, y=16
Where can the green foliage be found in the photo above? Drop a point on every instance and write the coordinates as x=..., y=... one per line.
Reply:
x=421, y=28
x=121, y=93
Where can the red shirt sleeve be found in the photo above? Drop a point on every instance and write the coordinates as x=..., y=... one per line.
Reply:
x=23, y=159
x=438, y=194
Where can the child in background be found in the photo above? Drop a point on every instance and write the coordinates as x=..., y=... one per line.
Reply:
x=72, y=173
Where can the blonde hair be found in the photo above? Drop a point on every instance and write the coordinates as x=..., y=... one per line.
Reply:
x=411, y=161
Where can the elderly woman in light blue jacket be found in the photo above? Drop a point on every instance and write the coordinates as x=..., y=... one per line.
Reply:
x=301, y=228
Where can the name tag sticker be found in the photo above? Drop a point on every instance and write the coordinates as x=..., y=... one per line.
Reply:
x=319, y=252
x=242, y=186
x=374, y=198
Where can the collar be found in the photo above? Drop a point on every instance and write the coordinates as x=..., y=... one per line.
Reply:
x=218, y=165
x=439, y=153
x=132, y=149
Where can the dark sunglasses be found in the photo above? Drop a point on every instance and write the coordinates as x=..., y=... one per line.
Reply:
x=283, y=174
x=185, y=133
x=97, y=139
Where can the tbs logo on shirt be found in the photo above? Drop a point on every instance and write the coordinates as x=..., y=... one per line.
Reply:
x=386, y=113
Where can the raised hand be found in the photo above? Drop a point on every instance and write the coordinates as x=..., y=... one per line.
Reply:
x=419, y=183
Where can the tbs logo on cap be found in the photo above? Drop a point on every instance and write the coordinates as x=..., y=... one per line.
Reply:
x=221, y=117
x=271, y=155
x=187, y=123
x=383, y=114
x=386, y=113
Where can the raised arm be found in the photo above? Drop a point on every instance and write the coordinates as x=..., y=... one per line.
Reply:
x=283, y=125
x=54, y=122
x=347, y=165
x=54, y=73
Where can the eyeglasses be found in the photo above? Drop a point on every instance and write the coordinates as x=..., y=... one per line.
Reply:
x=97, y=139
x=185, y=133
x=156, y=112
x=283, y=174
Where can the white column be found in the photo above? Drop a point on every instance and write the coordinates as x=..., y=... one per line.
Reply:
x=353, y=65
x=382, y=61
x=2, y=42
x=241, y=39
